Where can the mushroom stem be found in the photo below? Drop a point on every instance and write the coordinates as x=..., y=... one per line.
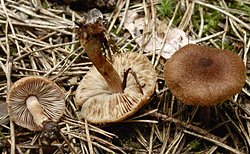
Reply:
x=36, y=110
x=93, y=48
x=204, y=114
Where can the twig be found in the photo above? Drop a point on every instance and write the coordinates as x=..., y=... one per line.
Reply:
x=88, y=138
x=124, y=17
x=224, y=12
x=114, y=16
x=166, y=34
x=68, y=143
x=202, y=21
x=212, y=150
x=219, y=143
x=185, y=125
x=8, y=77
x=151, y=139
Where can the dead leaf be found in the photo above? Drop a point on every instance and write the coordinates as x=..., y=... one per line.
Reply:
x=176, y=38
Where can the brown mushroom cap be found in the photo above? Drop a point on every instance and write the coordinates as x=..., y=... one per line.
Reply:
x=204, y=76
x=49, y=95
x=99, y=105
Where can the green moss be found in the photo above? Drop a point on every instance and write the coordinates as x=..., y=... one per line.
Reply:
x=45, y=5
x=195, y=145
x=211, y=20
x=178, y=17
x=228, y=46
x=129, y=47
x=196, y=18
x=166, y=8
x=240, y=6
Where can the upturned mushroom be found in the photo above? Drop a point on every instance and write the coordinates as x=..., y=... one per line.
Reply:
x=36, y=103
x=112, y=91
x=204, y=76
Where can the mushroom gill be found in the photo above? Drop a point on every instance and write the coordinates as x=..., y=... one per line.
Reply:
x=99, y=105
x=47, y=93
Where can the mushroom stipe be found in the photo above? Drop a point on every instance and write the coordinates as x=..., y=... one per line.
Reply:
x=125, y=77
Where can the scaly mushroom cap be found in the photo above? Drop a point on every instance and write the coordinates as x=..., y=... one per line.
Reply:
x=99, y=105
x=204, y=76
x=49, y=95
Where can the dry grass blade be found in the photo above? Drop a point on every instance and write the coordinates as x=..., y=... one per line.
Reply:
x=224, y=12
x=8, y=76
x=219, y=143
x=88, y=138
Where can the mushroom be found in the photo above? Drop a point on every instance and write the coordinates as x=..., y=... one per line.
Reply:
x=112, y=91
x=36, y=103
x=204, y=76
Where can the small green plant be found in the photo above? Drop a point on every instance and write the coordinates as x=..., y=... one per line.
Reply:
x=227, y=46
x=45, y=5
x=166, y=8
x=195, y=145
x=243, y=7
x=211, y=21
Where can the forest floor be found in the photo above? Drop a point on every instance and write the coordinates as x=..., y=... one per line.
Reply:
x=40, y=39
